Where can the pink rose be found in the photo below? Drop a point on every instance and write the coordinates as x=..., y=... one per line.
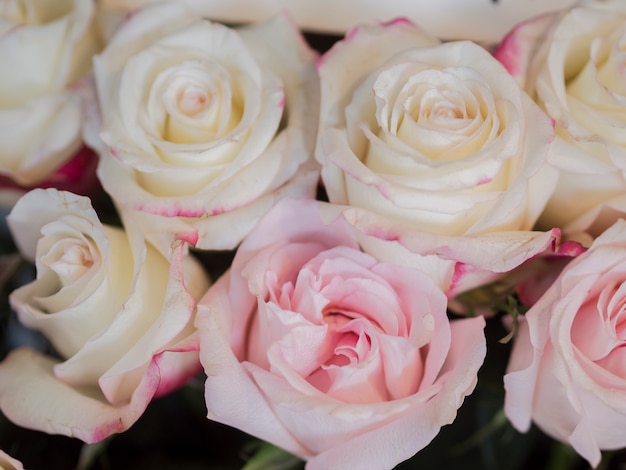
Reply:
x=566, y=372
x=118, y=314
x=571, y=63
x=321, y=349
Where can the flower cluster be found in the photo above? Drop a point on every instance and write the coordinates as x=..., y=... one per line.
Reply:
x=378, y=199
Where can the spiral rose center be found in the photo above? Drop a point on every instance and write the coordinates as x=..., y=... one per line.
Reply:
x=605, y=314
x=442, y=114
x=193, y=100
x=69, y=260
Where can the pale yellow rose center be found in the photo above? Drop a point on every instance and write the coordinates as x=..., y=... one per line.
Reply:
x=196, y=101
x=193, y=100
x=69, y=259
x=444, y=114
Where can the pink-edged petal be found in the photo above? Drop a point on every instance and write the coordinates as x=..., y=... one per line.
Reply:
x=483, y=254
x=231, y=394
x=171, y=326
x=32, y=397
x=9, y=463
x=522, y=44
x=216, y=227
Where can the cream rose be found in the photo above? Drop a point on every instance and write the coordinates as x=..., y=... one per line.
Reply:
x=431, y=143
x=572, y=64
x=321, y=349
x=44, y=48
x=205, y=127
x=118, y=314
x=436, y=136
x=566, y=372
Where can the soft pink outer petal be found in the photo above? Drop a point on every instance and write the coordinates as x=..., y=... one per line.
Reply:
x=32, y=397
x=9, y=463
x=520, y=380
x=231, y=395
x=548, y=379
x=305, y=421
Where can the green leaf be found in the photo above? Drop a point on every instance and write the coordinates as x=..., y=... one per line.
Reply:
x=269, y=457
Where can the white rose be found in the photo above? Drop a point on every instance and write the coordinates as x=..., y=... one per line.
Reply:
x=423, y=137
x=44, y=48
x=118, y=314
x=205, y=127
x=437, y=136
x=572, y=64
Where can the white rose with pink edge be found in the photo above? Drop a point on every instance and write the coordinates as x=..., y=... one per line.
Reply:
x=433, y=144
x=45, y=48
x=118, y=314
x=566, y=372
x=571, y=63
x=321, y=349
x=205, y=127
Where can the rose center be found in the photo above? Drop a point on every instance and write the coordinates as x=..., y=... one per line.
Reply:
x=350, y=346
x=193, y=100
x=345, y=351
x=446, y=112
x=69, y=261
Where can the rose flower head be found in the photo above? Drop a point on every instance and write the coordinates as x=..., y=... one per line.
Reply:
x=571, y=62
x=329, y=353
x=117, y=312
x=205, y=127
x=434, y=146
x=45, y=49
x=566, y=372
x=437, y=136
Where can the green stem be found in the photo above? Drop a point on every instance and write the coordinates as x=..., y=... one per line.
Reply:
x=562, y=457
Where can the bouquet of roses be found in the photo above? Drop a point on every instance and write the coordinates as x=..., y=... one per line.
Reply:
x=339, y=246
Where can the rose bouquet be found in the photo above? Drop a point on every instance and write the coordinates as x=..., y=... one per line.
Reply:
x=234, y=242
